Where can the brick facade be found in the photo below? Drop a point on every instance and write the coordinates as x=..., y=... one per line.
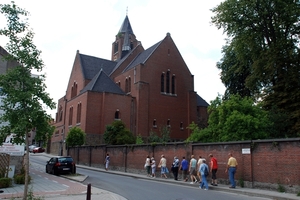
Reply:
x=156, y=92
x=269, y=164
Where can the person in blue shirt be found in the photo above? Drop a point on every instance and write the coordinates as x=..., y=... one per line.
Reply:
x=184, y=167
x=203, y=168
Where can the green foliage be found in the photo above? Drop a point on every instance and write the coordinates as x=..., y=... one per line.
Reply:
x=234, y=119
x=20, y=178
x=139, y=140
x=117, y=134
x=5, y=182
x=281, y=188
x=261, y=56
x=25, y=94
x=75, y=137
x=154, y=138
x=164, y=135
x=241, y=182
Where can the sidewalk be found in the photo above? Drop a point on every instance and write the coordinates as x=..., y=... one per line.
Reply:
x=70, y=187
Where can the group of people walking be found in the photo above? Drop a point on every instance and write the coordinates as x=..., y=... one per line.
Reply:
x=195, y=170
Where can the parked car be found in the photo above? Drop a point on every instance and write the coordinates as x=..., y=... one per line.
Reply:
x=31, y=147
x=38, y=150
x=61, y=165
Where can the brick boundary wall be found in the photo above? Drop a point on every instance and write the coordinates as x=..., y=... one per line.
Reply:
x=267, y=164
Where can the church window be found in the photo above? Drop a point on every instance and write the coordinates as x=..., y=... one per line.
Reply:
x=116, y=46
x=129, y=84
x=168, y=82
x=70, y=116
x=74, y=90
x=78, y=113
x=173, y=84
x=154, y=123
x=126, y=85
x=181, y=126
x=117, y=114
x=162, y=82
x=131, y=45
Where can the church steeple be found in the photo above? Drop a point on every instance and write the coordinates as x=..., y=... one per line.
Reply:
x=125, y=41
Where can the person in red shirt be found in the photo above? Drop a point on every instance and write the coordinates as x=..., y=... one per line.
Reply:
x=213, y=170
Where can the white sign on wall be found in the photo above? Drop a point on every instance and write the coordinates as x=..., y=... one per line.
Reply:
x=12, y=149
x=246, y=151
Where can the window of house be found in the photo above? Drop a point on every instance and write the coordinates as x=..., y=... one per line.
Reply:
x=154, y=123
x=173, y=84
x=129, y=84
x=70, y=116
x=181, y=125
x=117, y=114
x=168, y=82
x=116, y=46
x=168, y=123
x=78, y=119
x=74, y=90
x=126, y=85
x=162, y=82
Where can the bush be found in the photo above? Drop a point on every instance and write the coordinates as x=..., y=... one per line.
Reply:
x=20, y=178
x=5, y=182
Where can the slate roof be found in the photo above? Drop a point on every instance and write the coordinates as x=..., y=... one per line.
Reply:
x=91, y=65
x=102, y=83
x=142, y=57
x=201, y=102
x=126, y=27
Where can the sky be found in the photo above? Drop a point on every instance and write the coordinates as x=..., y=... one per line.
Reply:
x=63, y=27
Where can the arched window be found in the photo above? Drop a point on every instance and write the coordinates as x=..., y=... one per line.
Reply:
x=126, y=85
x=168, y=123
x=168, y=82
x=129, y=84
x=173, y=84
x=116, y=46
x=78, y=113
x=70, y=116
x=181, y=125
x=74, y=90
x=117, y=114
x=154, y=123
x=162, y=82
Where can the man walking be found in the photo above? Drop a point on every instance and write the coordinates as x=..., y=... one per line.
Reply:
x=231, y=169
x=193, y=167
x=213, y=170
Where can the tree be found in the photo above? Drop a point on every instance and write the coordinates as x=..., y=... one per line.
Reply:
x=263, y=50
x=117, y=134
x=25, y=95
x=234, y=119
x=75, y=137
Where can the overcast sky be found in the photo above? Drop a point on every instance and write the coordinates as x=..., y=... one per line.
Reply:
x=63, y=27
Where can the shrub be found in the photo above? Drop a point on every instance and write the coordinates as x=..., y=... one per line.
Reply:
x=5, y=182
x=20, y=178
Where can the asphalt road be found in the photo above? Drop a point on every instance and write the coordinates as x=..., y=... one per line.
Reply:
x=146, y=189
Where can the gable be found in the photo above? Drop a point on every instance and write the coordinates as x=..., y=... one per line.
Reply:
x=91, y=65
x=102, y=83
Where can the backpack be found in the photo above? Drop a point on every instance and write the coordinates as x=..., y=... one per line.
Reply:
x=206, y=173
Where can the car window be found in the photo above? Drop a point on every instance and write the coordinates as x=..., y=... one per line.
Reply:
x=65, y=160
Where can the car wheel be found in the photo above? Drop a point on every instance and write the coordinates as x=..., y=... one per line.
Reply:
x=55, y=172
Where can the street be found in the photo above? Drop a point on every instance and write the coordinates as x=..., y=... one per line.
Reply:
x=136, y=188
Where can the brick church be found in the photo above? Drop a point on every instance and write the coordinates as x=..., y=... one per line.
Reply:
x=145, y=88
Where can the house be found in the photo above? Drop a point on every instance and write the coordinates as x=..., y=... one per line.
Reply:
x=145, y=88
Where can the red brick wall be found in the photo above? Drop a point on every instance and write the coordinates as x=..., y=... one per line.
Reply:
x=270, y=163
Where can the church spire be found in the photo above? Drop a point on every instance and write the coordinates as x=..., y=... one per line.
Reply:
x=125, y=40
